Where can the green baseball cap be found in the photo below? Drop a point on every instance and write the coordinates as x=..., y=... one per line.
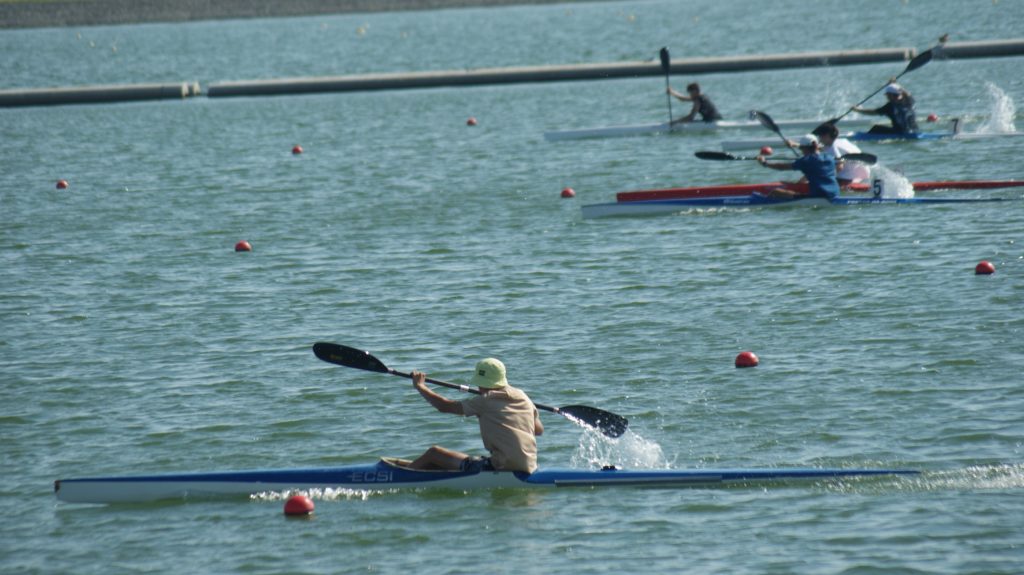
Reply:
x=489, y=374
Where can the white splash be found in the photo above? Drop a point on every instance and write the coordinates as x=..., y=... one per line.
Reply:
x=322, y=494
x=1001, y=112
x=629, y=451
x=893, y=183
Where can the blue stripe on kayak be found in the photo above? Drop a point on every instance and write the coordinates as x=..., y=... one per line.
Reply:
x=382, y=474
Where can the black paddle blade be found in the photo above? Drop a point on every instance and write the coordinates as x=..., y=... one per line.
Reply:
x=918, y=61
x=765, y=120
x=717, y=156
x=348, y=356
x=666, y=62
x=861, y=157
x=606, y=422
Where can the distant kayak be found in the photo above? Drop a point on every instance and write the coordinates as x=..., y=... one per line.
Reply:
x=755, y=200
x=664, y=128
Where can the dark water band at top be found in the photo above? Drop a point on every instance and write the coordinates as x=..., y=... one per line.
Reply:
x=47, y=14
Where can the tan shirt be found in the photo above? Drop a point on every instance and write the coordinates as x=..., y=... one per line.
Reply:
x=506, y=418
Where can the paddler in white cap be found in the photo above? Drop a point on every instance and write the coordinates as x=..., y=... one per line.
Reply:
x=509, y=423
x=818, y=169
x=899, y=109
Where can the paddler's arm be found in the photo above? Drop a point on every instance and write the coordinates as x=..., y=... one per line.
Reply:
x=679, y=95
x=775, y=165
x=683, y=97
x=440, y=402
x=538, y=427
x=870, y=111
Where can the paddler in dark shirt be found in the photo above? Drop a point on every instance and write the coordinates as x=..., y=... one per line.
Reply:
x=899, y=109
x=701, y=105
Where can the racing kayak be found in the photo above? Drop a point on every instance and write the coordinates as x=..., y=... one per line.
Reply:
x=388, y=474
x=664, y=127
x=731, y=190
x=757, y=143
x=754, y=200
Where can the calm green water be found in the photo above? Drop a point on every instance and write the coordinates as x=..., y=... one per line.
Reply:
x=134, y=339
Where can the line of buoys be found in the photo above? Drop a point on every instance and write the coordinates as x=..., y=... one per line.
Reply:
x=486, y=76
x=97, y=94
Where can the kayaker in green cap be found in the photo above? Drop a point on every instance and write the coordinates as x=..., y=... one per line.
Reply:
x=509, y=423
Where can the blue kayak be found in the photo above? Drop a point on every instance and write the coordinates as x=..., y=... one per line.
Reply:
x=389, y=474
x=653, y=207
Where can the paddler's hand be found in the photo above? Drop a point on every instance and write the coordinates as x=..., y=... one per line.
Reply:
x=418, y=380
x=761, y=160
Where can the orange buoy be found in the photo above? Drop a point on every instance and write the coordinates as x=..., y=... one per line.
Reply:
x=568, y=193
x=297, y=149
x=746, y=359
x=298, y=505
x=984, y=268
x=62, y=184
x=933, y=118
x=471, y=122
x=243, y=246
x=767, y=150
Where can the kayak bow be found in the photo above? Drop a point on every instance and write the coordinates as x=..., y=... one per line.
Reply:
x=388, y=474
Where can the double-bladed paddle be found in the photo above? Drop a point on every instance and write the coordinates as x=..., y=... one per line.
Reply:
x=723, y=156
x=666, y=65
x=769, y=123
x=606, y=422
x=915, y=63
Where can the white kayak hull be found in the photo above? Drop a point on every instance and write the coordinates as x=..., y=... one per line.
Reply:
x=682, y=127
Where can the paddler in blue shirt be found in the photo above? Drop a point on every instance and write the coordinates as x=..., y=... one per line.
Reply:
x=899, y=109
x=509, y=423
x=701, y=105
x=819, y=170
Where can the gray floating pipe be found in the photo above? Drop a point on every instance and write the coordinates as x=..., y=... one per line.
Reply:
x=95, y=94
x=486, y=76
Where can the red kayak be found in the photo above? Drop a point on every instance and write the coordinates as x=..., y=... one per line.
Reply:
x=767, y=187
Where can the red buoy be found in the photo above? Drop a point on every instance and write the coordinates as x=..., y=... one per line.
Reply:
x=298, y=505
x=746, y=359
x=471, y=122
x=297, y=149
x=933, y=118
x=243, y=246
x=984, y=268
x=62, y=184
x=767, y=150
x=568, y=193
